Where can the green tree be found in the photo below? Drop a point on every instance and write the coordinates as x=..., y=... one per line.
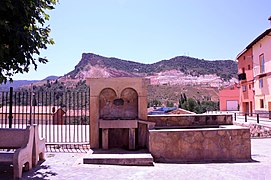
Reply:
x=191, y=103
x=155, y=103
x=181, y=101
x=23, y=34
x=169, y=104
x=184, y=97
x=198, y=106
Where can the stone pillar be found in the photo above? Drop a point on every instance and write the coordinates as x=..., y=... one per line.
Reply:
x=142, y=107
x=94, y=122
x=105, y=138
x=143, y=133
x=131, y=138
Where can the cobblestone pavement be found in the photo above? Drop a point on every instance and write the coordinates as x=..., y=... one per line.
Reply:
x=68, y=165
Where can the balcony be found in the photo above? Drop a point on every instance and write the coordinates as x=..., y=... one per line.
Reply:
x=242, y=77
x=257, y=71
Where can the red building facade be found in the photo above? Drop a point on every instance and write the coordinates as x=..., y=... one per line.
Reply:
x=229, y=98
x=246, y=81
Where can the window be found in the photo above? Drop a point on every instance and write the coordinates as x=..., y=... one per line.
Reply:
x=261, y=83
x=261, y=103
x=243, y=70
x=244, y=88
x=261, y=59
x=248, y=67
x=249, y=86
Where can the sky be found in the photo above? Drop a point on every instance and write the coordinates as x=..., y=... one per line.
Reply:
x=148, y=31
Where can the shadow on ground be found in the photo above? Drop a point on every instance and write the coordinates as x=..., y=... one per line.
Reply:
x=38, y=172
x=68, y=148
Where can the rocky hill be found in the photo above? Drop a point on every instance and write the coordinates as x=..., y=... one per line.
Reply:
x=197, y=78
x=178, y=70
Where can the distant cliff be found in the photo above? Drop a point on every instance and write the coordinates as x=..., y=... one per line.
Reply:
x=197, y=78
x=177, y=70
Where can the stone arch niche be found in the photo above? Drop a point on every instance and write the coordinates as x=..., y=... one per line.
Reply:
x=112, y=108
x=107, y=109
x=130, y=106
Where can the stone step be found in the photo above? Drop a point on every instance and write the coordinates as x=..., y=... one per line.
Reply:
x=137, y=159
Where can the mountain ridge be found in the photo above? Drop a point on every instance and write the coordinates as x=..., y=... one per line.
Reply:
x=197, y=78
x=180, y=69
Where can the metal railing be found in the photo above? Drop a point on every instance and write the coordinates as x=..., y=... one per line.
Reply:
x=62, y=116
x=257, y=117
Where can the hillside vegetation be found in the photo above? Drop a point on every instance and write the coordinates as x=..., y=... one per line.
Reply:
x=225, y=69
x=199, y=79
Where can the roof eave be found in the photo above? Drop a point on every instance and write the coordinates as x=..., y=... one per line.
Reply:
x=241, y=53
x=266, y=32
x=259, y=38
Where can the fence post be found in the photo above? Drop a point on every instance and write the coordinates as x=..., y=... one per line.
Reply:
x=245, y=117
x=258, y=119
x=234, y=116
x=10, y=107
x=31, y=105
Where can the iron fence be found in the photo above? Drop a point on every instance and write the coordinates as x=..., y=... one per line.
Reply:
x=62, y=116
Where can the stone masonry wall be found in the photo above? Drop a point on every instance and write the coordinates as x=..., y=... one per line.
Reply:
x=201, y=145
x=191, y=120
x=257, y=130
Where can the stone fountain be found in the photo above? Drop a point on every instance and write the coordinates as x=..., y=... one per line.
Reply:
x=118, y=119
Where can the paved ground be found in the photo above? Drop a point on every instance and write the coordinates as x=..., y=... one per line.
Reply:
x=68, y=165
x=241, y=119
x=262, y=121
